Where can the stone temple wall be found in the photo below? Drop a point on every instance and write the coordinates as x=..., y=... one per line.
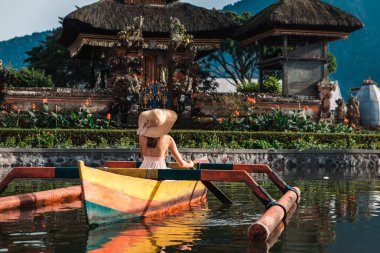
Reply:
x=364, y=164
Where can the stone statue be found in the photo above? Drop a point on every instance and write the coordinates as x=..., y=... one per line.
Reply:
x=325, y=106
x=353, y=112
x=163, y=75
x=325, y=88
x=340, y=111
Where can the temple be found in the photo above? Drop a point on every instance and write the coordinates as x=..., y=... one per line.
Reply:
x=147, y=45
x=143, y=53
x=292, y=37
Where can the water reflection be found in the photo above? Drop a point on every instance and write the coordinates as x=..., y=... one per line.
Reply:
x=329, y=213
x=333, y=216
x=148, y=236
x=30, y=214
x=48, y=229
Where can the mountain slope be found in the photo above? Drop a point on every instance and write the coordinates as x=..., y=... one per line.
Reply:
x=357, y=56
x=12, y=51
x=252, y=6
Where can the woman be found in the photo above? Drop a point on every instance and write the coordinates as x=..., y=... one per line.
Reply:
x=154, y=126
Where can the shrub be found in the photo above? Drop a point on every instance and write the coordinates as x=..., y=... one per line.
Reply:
x=29, y=78
x=46, y=118
x=92, y=138
x=272, y=85
x=277, y=121
x=248, y=87
x=231, y=103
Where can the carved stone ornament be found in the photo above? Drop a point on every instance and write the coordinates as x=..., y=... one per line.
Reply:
x=131, y=35
x=325, y=88
x=340, y=111
x=353, y=111
x=178, y=33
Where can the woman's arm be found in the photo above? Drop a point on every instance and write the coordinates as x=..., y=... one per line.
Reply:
x=177, y=156
x=140, y=145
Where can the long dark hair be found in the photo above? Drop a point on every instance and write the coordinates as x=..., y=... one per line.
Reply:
x=152, y=142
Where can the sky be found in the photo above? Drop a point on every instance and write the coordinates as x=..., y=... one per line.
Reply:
x=22, y=17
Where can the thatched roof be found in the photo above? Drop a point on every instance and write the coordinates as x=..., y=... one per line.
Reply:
x=300, y=14
x=148, y=1
x=110, y=16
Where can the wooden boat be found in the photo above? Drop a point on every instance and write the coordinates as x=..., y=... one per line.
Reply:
x=119, y=193
x=109, y=196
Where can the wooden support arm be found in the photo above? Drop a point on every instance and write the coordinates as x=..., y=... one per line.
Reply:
x=27, y=172
x=265, y=169
x=238, y=176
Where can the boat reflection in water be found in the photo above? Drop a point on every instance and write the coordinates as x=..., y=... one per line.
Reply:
x=31, y=213
x=149, y=235
x=43, y=229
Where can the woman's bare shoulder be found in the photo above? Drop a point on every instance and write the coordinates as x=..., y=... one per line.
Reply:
x=168, y=138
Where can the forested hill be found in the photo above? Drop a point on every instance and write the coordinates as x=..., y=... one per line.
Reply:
x=12, y=51
x=252, y=6
x=359, y=56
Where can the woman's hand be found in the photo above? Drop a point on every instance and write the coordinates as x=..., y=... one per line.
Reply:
x=190, y=164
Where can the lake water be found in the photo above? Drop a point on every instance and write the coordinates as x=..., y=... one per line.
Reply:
x=334, y=216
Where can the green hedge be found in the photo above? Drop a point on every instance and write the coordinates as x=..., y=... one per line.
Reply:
x=83, y=138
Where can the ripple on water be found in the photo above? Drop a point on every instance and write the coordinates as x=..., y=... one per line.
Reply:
x=330, y=216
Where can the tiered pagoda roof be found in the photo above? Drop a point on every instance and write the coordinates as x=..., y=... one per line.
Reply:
x=108, y=17
x=100, y=22
x=300, y=17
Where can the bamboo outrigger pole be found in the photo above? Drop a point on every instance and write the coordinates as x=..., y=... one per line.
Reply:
x=275, y=215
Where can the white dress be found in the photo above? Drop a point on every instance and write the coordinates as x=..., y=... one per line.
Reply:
x=152, y=162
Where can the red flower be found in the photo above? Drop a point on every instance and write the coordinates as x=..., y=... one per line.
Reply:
x=346, y=121
x=305, y=108
x=14, y=107
x=86, y=103
x=109, y=116
x=251, y=100
x=220, y=120
x=44, y=101
x=33, y=106
x=237, y=113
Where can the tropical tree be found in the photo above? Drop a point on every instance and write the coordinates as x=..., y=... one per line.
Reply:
x=332, y=67
x=233, y=61
x=55, y=60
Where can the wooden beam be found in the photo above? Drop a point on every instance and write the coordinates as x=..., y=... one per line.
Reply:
x=296, y=32
x=218, y=193
x=112, y=41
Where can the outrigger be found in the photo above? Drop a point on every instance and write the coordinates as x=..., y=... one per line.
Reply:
x=120, y=190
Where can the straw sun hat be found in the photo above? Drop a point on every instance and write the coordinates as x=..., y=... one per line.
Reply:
x=156, y=123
